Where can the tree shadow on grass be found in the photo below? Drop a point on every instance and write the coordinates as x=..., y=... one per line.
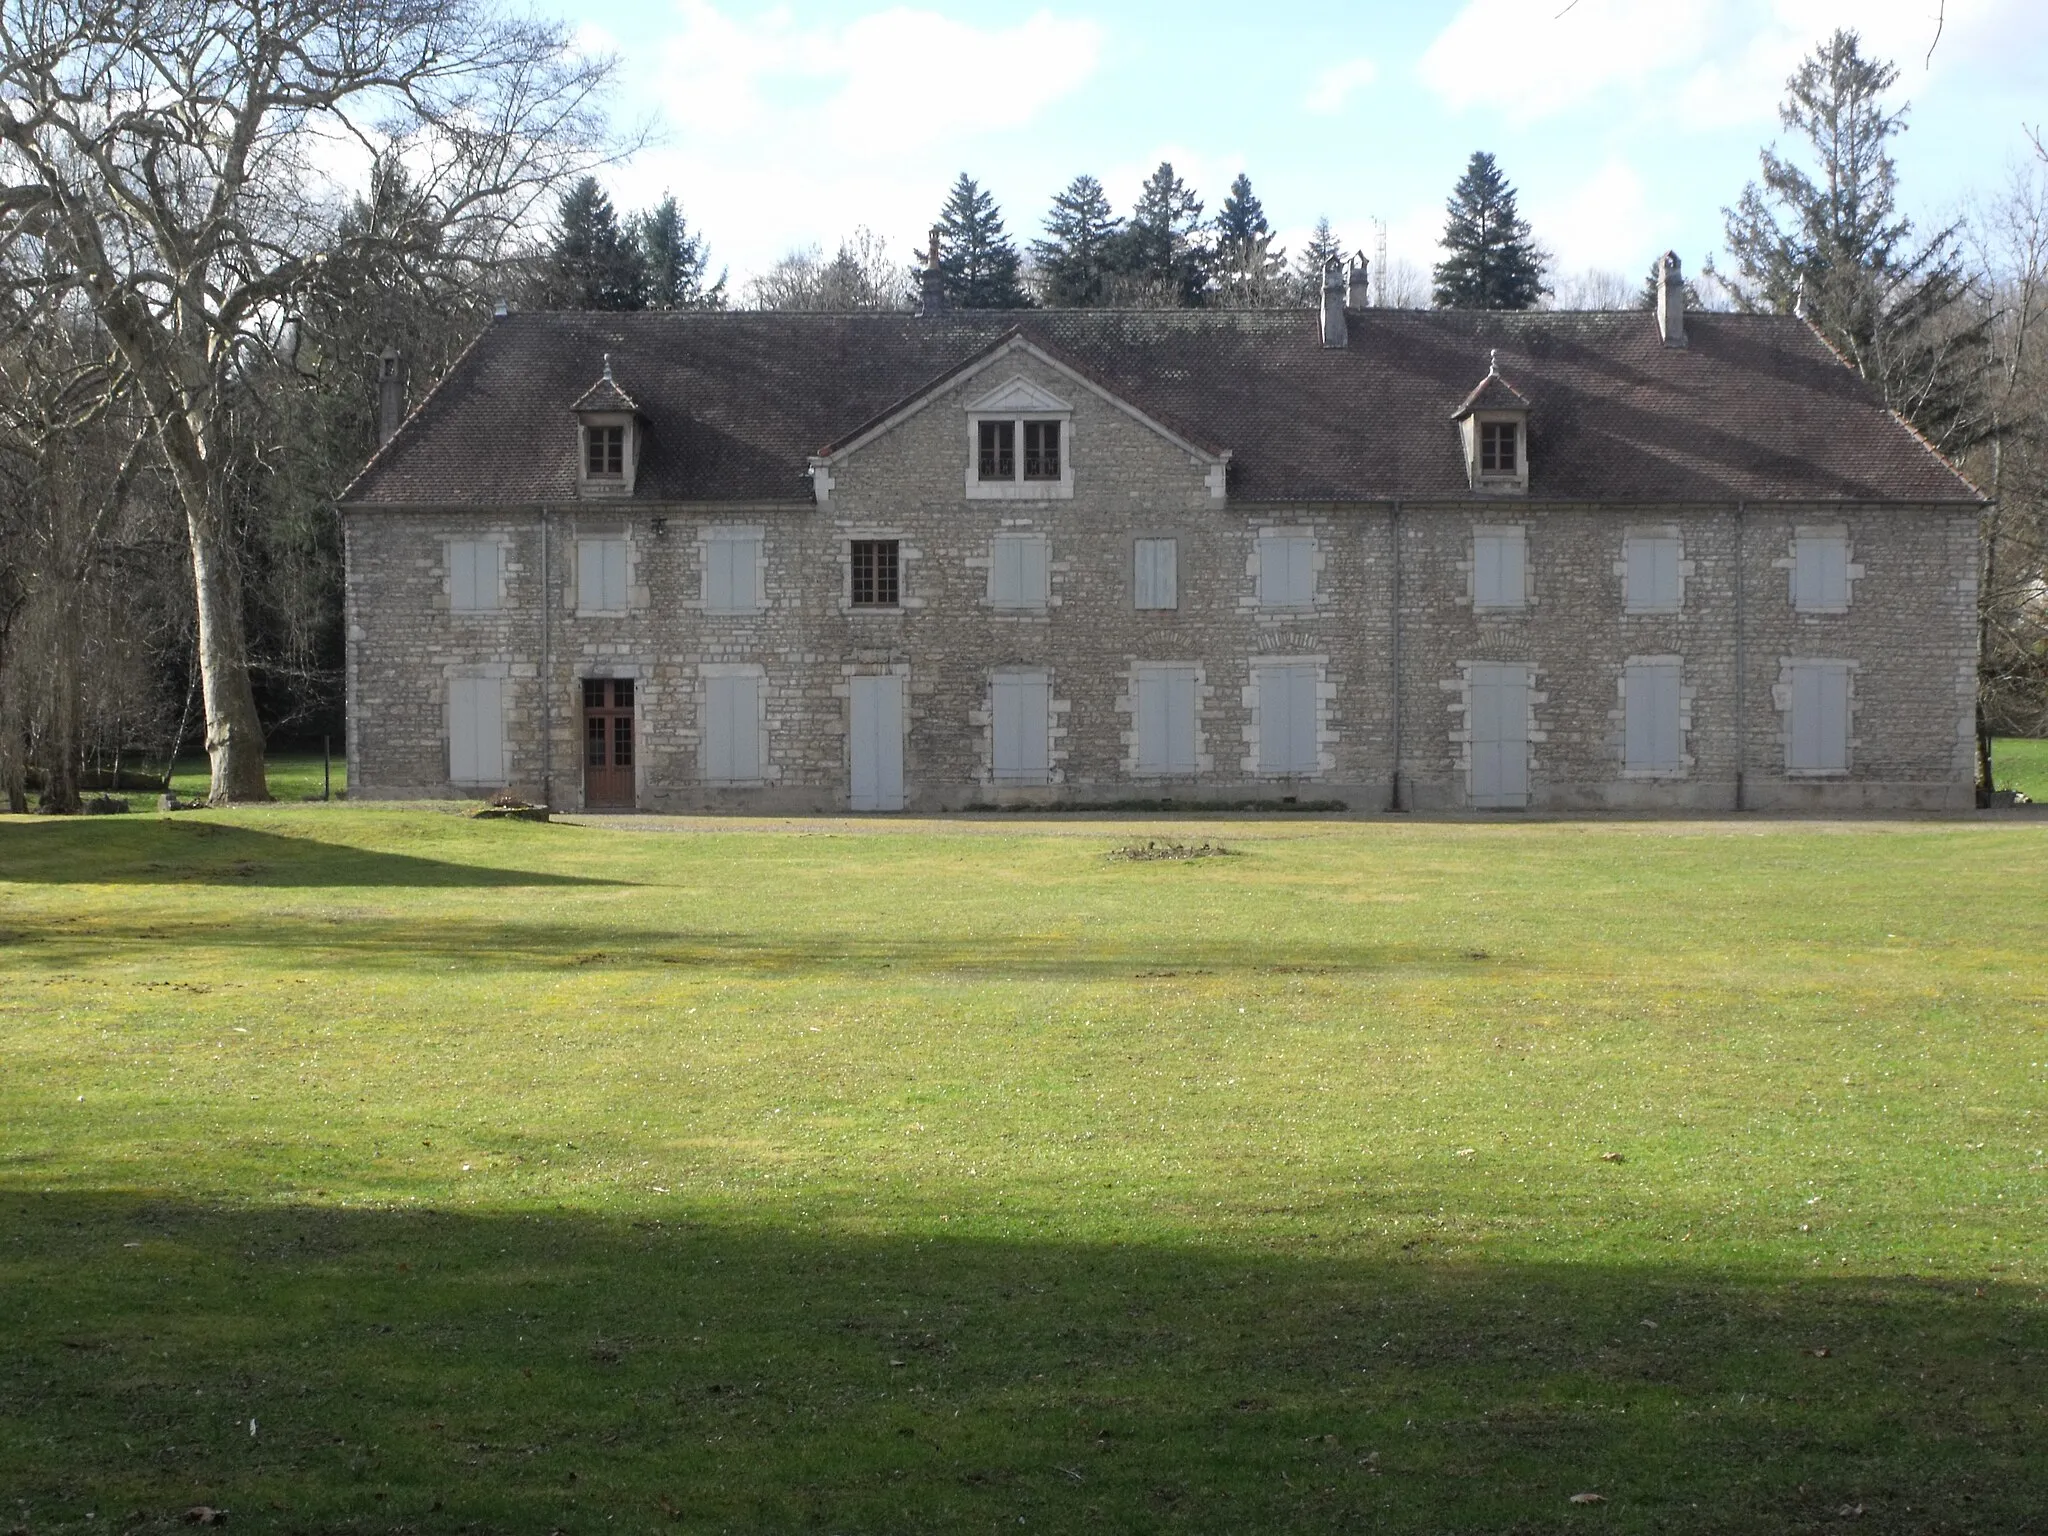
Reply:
x=195, y=852
x=434, y=1371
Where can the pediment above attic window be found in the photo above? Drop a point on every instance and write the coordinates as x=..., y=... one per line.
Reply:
x=1493, y=425
x=608, y=432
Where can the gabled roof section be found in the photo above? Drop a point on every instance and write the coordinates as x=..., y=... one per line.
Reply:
x=1756, y=408
x=1011, y=344
x=1018, y=394
x=1493, y=393
x=605, y=395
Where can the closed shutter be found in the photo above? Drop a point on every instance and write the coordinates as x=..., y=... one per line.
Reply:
x=1158, y=579
x=1166, y=720
x=601, y=575
x=1020, y=708
x=1017, y=571
x=476, y=731
x=732, y=729
x=1652, y=582
x=472, y=576
x=1820, y=573
x=875, y=728
x=1499, y=720
x=1652, y=740
x=1820, y=718
x=1287, y=719
x=1287, y=571
x=732, y=573
x=1497, y=570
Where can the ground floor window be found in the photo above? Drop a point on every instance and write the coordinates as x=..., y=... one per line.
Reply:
x=1166, y=719
x=1653, y=739
x=1020, y=704
x=476, y=731
x=732, y=728
x=1287, y=717
x=1817, y=730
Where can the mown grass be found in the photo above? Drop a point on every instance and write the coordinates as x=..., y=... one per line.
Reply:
x=2022, y=765
x=294, y=776
x=855, y=1176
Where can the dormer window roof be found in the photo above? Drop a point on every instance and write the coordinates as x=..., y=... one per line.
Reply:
x=1493, y=423
x=608, y=437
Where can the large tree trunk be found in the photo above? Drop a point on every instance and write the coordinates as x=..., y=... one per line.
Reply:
x=234, y=736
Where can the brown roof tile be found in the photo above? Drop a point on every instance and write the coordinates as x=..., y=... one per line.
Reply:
x=1756, y=407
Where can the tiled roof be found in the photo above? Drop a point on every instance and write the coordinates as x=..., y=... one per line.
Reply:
x=605, y=395
x=733, y=404
x=1492, y=393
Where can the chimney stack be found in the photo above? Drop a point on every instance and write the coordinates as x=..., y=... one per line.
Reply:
x=390, y=393
x=1670, y=300
x=1333, y=302
x=932, y=282
x=1361, y=289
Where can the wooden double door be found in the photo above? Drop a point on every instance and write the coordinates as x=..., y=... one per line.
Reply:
x=608, y=743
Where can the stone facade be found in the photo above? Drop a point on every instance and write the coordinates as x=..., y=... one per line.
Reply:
x=1390, y=627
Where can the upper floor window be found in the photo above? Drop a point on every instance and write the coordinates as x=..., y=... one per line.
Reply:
x=1156, y=581
x=1500, y=564
x=732, y=566
x=998, y=450
x=1500, y=448
x=876, y=573
x=1820, y=571
x=601, y=574
x=1287, y=570
x=473, y=575
x=605, y=452
x=1019, y=571
x=1041, y=450
x=1651, y=574
x=1020, y=443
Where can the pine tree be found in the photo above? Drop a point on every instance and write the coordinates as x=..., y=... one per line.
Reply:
x=1072, y=260
x=592, y=262
x=979, y=262
x=1250, y=269
x=1489, y=261
x=1161, y=254
x=675, y=260
x=1837, y=249
x=1323, y=248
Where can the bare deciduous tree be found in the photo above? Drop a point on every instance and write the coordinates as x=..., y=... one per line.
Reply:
x=167, y=157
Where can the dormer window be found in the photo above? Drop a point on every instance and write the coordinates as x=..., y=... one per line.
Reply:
x=1019, y=444
x=608, y=423
x=605, y=453
x=1500, y=448
x=1493, y=424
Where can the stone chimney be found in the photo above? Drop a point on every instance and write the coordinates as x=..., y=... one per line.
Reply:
x=932, y=282
x=390, y=393
x=1670, y=300
x=1333, y=302
x=1361, y=289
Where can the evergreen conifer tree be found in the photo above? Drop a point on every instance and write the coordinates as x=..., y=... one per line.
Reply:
x=1242, y=216
x=675, y=259
x=1250, y=269
x=1323, y=248
x=592, y=262
x=1835, y=248
x=1161, y=253
x=1489, y=260
x=1073, y=259
x=978, y=260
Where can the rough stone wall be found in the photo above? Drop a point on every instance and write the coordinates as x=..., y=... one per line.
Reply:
x=1909, y=631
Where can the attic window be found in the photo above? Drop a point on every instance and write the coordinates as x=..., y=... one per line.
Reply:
x=998, y=450
x=1498, y=453
x=605, y=453
x=1041, y=450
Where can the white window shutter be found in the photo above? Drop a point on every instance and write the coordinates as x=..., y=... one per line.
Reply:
x=718, y=583
x=1152, y=753
x=1652, y=584
x=1652, y=739
x=1287, y=570
x=1180, y=740
x=1820, y=717
x=1834, y=717
x=1820, y=572
x=1287, y=719
x=1497, y=577
x=462, y=577
x=732, y=729
x=1021, y=744
x=601, y=575
x=1018, y=570
x=1166, y=719
x=476, y=731
x=1157, y=584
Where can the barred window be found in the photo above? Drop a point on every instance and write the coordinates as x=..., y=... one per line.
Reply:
x=998, y=442
x=1041, y=450
x=875, y=569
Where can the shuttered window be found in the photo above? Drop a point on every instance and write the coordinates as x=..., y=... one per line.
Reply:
x=476, y=731
x=1819, y=727
x=1287, y=570
x=601, y=575
x=1020, y=705
x=1157, y=578
x=1287, y=718
x=732, y=728
x=1652, y=582
x=1499, y=562
x=732, y=564
x=1820, y=573
x=1652, y=741
x=1018, y=570
x=1166, y=719
x=473, y=575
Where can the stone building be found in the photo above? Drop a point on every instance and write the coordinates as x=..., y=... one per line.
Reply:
x=1429, y=560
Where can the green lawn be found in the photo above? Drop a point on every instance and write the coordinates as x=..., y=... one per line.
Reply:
x=294, y=776
x=2022, y=765
x=378, y=1169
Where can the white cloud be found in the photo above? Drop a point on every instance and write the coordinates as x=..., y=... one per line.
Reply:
x=779, y=132
x=1698, y=63
x=1335, y=85
x=1603, y=223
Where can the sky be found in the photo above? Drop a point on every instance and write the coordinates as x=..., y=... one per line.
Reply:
x=1626, y=125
